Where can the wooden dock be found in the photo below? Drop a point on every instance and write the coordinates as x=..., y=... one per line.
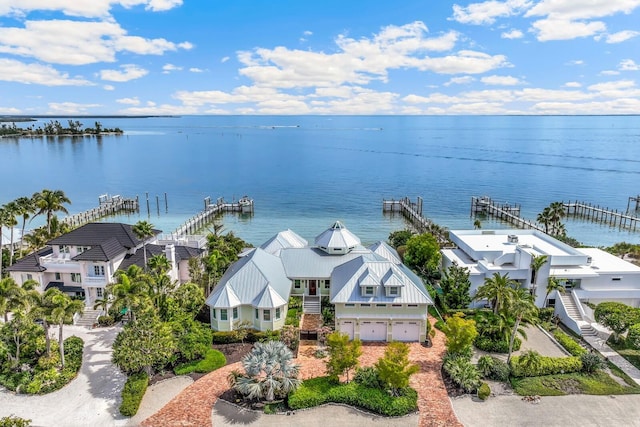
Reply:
x=108, y=205
x=210, y=211
x=412, y=211
x=503, y=211
x=596, y=213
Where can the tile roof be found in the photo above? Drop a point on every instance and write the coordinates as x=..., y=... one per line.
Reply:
x=96, y=233
x=105, y=251
x=31, y=262
x=182, y=253
x=63, y=287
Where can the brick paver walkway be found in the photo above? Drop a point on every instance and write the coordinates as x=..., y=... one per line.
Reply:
x=193, y=406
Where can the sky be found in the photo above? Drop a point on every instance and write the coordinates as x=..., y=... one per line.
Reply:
x=408, y=57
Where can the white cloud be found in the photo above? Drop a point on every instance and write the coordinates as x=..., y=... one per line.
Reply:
x=556, y=29
x=572, y=84
x=168, y=68
x=70, y=108
x=569, y=19
x=487, y=12
x=610, y=73
x=163, y=109
x=129, y=101
x=501, y=80
x=224, y=59
x=513, y=34
x=610, y=86
x=108, y=87
x=620, y=36
x=629, y=65
x=196, y=70
x=78, y=43
x=576, y=62
x=464, y=80
x=9, y=111
x=12, y=70
x=128, y=72
x=307, y=33
x=81, y=8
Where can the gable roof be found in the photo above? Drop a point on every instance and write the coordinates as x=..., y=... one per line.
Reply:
x=103, y=252
x=249, y=278
x=383, y=249
x=313, y=262
x=346, y=282
x=337, y=237
x=282, y=240
x=226, y=299
x=137, y=258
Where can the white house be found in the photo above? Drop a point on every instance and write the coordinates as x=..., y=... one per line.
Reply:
x=589, y=274
x=82, y=262
x=376, y=298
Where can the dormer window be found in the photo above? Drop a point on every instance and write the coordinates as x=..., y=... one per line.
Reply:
x=368, y=282
x=80, y=249
x=392, y=283
x=393, y=291
x=368, y=291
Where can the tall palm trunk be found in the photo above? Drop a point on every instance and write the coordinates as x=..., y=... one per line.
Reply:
x=47, y=338
x=513, y=337
x=11, y=247
x=61, y=344
x=24, y=223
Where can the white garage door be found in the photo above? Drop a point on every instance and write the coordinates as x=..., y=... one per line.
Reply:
x=405, y=331
x=373, y=331
x=346, y=327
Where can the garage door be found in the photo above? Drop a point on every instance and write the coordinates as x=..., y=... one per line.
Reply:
x=405, y=331
x=373, y=331
x=346, y=327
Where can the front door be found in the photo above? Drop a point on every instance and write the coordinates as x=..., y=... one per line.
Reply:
x=312, y=287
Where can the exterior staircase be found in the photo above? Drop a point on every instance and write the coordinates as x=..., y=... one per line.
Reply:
x=311, y=304
x=89, y=317
x=586, y=330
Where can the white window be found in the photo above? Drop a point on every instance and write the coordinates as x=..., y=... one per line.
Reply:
x=368, y=290
x=64, y=249
x=76, y=277
x=277, y=313
x=98, y=270
x=393, y=290
x=99, y=292
x=235, y=312
x=223, y=314
x=266, y=315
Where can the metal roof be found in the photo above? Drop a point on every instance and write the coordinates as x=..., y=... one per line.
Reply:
x=345, y=282
x=337, y=236
x=227, y=298
x=383, y=249
x=282, y=240
x=251, y=275
x=313, y=262
x=268, y=298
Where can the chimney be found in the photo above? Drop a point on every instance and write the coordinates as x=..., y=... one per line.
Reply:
x=170, y=253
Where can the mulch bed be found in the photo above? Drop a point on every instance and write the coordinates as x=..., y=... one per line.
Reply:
x=452, y=388
x=233, y=352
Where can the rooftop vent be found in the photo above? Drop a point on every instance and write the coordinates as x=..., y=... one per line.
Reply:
x=512, y=238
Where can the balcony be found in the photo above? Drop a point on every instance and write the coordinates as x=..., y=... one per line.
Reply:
x=59, y=263
x=95, y=280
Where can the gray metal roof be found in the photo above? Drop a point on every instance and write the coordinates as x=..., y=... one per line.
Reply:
x=337, y=236
x=282, y=240
x=313, y=262
x=226, y=298
x=346, y=282
x=386, y=251
x=250, y=276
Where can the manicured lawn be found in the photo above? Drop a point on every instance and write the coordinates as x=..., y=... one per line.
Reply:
x=632, y=355
x=599, y=383
x=212, y=361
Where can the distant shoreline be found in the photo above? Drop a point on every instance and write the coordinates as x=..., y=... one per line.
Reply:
x=9, y=119
x=64, y=135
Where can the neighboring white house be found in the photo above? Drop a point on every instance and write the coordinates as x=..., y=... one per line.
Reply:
x=82, y=262
x=589, y=274
x=376, y=298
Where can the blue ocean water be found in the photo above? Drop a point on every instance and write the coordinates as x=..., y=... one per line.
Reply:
x=306, y=171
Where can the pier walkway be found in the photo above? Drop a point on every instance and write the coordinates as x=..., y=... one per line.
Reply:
x=108, y=205
x=210, y=211
x=412, y=211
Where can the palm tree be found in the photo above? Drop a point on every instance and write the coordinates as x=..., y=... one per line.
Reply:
x=4, y=221
x=557, y=212
x=270, y=372
x=544, y=218
x=26, y=208
x=522, y=308
x=104, y=302
x=537, y=261
x=63, y=307
x=50, y=201
x=530, y=360
x=553, y=284
x=477, y=224
x=129, y=289
x=42, y=307
x=11, y=221
x=143, y=230
x=496, y=289
x=9, y=289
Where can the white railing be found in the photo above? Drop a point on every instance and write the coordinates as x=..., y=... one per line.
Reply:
x=95, y=280
x=563, y=314
x=60, y=259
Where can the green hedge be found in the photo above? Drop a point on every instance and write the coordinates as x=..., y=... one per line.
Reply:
x=212, y=361
x=48, y=378
x=547, y=366
x=230, y=337
x=133, y=392
x=496, y=346
x=569, y=344
x=318, y=391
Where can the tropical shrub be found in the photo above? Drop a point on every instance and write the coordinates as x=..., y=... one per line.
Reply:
x=394, y=369
x=633, y=336
x=343, y=355
x=463, y=373
x=270, y=372
x=318, y=391
x=616, y=316
x=224, y=337
x=213, y=360
x=492, y=345
x=12, y=421
x=484, y=365
x=569, y=344
x=591, y=362
x=546, y=366
x=133, y=392
x=47, y=377
x=546, y=314
x=368, y=377
x=460, y=334
x=439, y=325
x=484, y=391
x=106, y=320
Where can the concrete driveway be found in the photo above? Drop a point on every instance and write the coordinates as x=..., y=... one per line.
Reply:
x=92, y=399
